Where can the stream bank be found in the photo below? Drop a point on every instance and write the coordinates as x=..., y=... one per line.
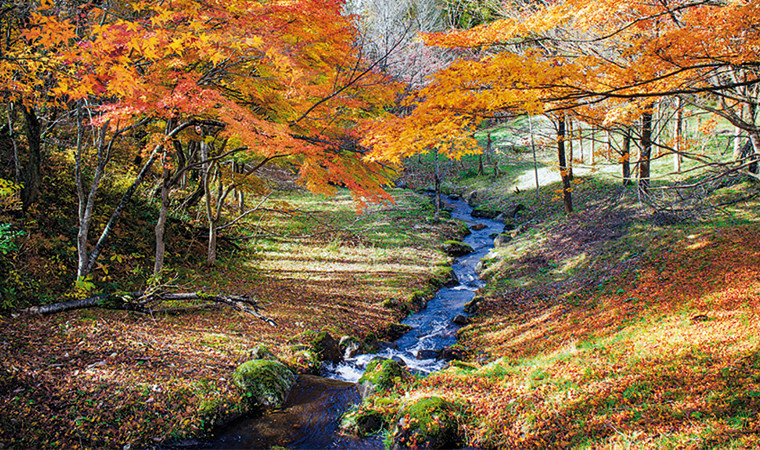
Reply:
x=311, y=416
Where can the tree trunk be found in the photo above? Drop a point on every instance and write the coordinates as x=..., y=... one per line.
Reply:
x=210, y=217
x=31, y=172
x=580, y=143
x=608, y=135
x=646, y=152
x=678, y=137
x=437, y=180
x=163, y=214
x=535, y=159
x=567, y=198
x=754, y=137
x=626, y=157
x=569, y=146
x=11, y=114
x=592, y=151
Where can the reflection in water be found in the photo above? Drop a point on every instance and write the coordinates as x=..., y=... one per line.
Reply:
x=309, y=420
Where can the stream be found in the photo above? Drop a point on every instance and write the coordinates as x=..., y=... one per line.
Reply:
x=311, y=416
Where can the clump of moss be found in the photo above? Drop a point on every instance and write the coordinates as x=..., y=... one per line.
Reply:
x=264, y=382
x=381, y=375
x=428, y=423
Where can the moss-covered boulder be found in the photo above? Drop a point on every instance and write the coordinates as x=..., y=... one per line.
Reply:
x=381, y=374
x=427, y=423
x=305, y=361
x=471, y=307
x=484, y=213
x=261, y=351
x=456, y=248
x=264, y=382
x=326, y=347
x=444, y=276
x=364, y=421
x=396, y=330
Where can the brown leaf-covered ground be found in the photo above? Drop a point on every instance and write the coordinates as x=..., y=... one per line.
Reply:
x=605, y=330
x=99, y=378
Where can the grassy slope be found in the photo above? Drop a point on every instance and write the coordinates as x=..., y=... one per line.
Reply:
x=98, y=378
x=603, y=329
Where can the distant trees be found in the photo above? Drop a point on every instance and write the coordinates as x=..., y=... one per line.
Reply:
x=608, y=62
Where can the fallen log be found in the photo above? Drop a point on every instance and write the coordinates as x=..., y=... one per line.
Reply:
x=142, y=301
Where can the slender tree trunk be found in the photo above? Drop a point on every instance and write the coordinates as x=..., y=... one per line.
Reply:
x=535, y=159
x=754, y=137
x=567, y=198
x=569, y=146
x=437, y=180
x=489, y=149
x=738, y=144
x=592, y=151
x=646, y=152
x=678, y=137
x=609, y=144
x=626, y=157
x=163, y=214
x=580, y=143
x=32, y=167
x=206, y=182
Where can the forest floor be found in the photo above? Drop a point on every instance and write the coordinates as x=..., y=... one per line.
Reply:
x=102, y=378
x=617, y=326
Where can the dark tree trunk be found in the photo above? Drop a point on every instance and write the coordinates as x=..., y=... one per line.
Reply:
x=31, y=168
x=567, y=198
x=626, y=157
x=646, y=152
x=437, y=180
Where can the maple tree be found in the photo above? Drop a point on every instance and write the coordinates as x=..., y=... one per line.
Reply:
x=274, y=79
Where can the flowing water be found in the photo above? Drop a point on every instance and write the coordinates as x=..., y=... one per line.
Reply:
x=311, y=416
x=432, y=328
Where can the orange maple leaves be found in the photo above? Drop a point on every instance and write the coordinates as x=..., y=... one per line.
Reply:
x=609, y=58
x=271, y=73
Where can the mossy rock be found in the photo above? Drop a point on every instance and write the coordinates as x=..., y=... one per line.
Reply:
x=326, y=347
x=261, y=351
x=304, y=361
x=264, y=382
x=444, y=276
x=418, y=300
x=484, y=213
x=363, y=422
x=396, y=330
x=456, y=248
x=369, y=343
x=427, y=423
x=381, y=375
x=472, y=306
